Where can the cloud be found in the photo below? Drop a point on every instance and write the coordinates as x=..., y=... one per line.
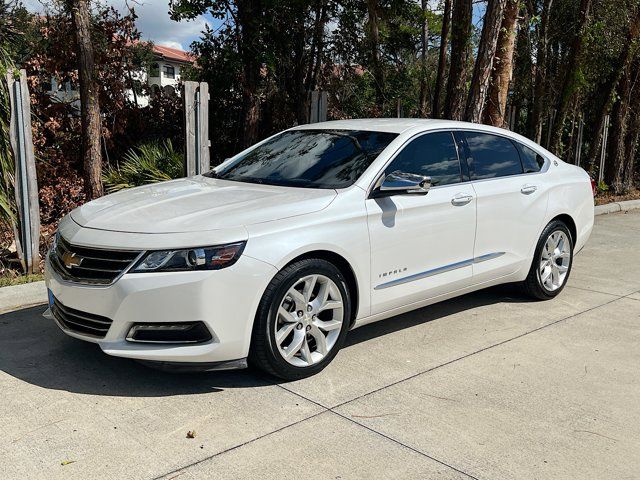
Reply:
x=153, y=21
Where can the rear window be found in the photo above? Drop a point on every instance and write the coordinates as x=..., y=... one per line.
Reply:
x=531, y=161
x=492, y=156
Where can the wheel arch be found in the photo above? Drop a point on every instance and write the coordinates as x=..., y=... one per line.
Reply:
x=345, y=268
x=569, y=222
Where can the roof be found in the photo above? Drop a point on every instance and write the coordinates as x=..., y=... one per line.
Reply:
x=392, y=125
x=173, y=54
x=413, y=125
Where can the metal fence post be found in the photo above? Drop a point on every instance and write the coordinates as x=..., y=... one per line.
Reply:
x=579, y=141
x=26, y=182
x=195, y=98
x=318, y=106
x=603, y=152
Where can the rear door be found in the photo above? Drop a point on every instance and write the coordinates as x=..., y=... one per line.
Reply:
x=512, y=196
x=422, y=245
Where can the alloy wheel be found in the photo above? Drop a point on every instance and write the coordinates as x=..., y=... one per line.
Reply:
x=555, y=259
x=309, y=320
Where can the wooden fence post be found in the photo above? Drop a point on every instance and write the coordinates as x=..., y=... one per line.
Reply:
x=195, y=98
x=26, y=181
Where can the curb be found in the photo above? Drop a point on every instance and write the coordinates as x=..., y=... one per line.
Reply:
x=26, y=295
x=31, y=294
x=617, y=207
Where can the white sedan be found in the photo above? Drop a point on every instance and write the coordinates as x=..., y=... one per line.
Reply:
x=273, y=256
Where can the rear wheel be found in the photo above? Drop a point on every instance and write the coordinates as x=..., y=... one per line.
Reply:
x=552, y=262
x=302, y=320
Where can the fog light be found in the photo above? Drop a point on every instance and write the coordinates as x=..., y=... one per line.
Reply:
x=186, y=332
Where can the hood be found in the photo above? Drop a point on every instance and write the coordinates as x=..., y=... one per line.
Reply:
x=198, y=204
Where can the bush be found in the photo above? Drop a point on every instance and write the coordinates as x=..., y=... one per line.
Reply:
x=150, y=162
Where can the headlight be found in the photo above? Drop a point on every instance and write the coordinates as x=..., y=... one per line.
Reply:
x=205, y=258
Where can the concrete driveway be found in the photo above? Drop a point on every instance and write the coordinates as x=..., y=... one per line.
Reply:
x=486, y=386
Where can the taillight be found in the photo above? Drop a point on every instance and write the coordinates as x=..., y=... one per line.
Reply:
x=594, y=186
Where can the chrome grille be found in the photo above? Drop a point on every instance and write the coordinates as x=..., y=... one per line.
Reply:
x=80, y=322
x=90, y=265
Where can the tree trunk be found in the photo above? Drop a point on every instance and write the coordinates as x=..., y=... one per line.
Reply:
x=249, y=13
x=423, y=100
x=460, y=50
x=569, y=84
x=615, y=168
x=484, y=61
x=442, y=59
x=632, y=149
x=89, y=99
x=609, y=88
x=374, y=45
x=540, y=89
x=503, y=66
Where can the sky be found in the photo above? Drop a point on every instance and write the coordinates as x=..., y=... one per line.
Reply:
x=154, y=22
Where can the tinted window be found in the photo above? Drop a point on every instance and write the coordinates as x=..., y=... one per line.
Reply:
x=492, y=156
x=531, y=161
x=308, y=158
x=433, y=155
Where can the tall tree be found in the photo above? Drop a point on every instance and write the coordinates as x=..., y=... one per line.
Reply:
x=442, y=59
x=615, y=168
x=424, y=47
x=460, y=51
x=570, y=81
x=609, y=87
x=484, y=60
x=502, y=66
x=249, y=14
x=540, y=90
x=89, y=101
x=373, y=26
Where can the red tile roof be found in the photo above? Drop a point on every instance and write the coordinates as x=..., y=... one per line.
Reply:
x=173, y=54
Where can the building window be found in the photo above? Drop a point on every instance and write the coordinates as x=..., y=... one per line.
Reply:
x=154, y=70
x=169, y=71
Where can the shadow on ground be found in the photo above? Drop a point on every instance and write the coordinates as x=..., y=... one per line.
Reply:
x=34, y=350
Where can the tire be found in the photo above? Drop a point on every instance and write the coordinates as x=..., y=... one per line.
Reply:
x=541, y=281
x=282, y=309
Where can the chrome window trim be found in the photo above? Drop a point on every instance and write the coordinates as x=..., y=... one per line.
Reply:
x=543, y=169
x=439, y=270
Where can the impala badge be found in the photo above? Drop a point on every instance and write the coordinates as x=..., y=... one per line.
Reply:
x=70, y=260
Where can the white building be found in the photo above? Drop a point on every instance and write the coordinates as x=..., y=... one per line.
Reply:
x=164, y=74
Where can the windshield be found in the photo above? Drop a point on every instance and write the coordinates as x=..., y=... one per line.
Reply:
x=308, y=158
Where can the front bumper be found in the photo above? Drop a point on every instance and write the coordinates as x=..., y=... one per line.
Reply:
x=225, y=300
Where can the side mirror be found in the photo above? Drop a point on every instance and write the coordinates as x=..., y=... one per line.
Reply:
x=401, y=183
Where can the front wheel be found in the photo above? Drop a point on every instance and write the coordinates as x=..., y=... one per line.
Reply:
x=302, y=320
x=552, y=262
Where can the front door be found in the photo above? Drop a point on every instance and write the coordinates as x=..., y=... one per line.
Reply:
x=422, y=245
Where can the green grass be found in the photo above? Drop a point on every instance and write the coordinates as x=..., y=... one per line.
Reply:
x=7, y=280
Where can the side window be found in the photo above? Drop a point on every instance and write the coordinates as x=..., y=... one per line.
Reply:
x=492, y=156
x=531, y=160
x=433, y=155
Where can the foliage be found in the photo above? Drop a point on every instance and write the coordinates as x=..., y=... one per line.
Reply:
x=147, y=163
x=8, y=38
x=602, y=187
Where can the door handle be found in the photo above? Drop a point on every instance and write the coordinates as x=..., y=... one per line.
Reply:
x=461, y=199
x=528, y=189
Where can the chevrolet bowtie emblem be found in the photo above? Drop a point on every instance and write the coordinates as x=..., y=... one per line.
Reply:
x=71, y=260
